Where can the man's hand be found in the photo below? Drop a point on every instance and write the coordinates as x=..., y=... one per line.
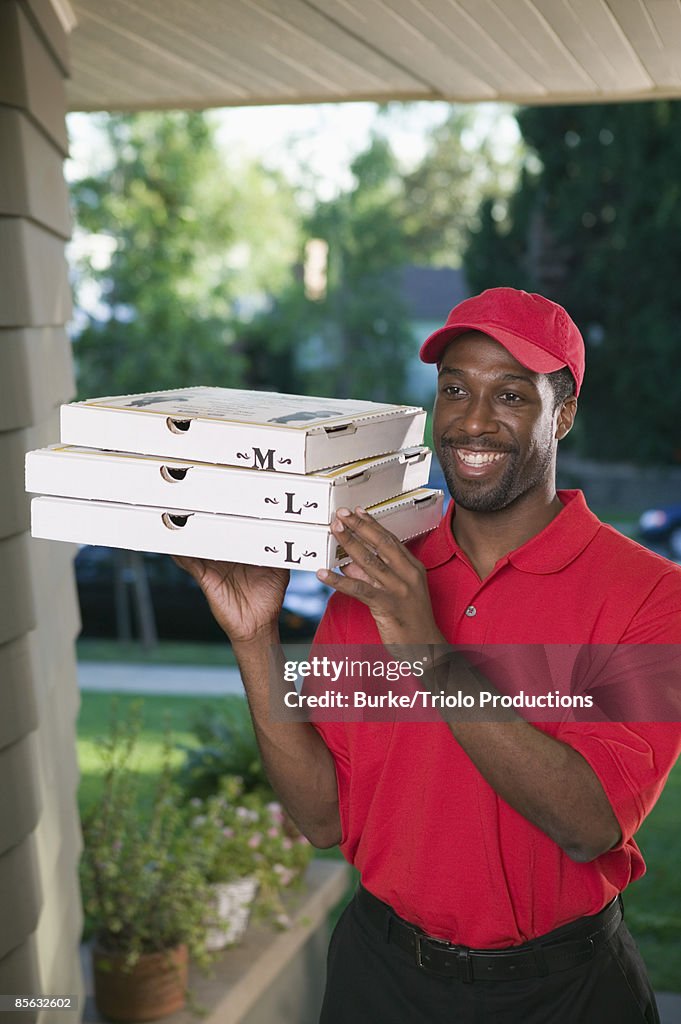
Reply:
x=386, y=577
x=245, y=599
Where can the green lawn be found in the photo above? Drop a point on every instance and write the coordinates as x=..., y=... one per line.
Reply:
x=653, y=904
x=166, y=652
x=94, y=722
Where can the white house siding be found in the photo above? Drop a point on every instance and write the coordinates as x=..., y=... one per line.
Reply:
x=40, y=842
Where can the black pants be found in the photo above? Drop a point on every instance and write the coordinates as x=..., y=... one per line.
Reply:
x=371, y=981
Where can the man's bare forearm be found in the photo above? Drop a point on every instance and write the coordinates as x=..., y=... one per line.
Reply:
x=298, y=763
x=542, y=778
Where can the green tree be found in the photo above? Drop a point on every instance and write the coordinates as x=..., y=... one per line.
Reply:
x=462, y=168
x=355, y=342
x=187, y=239
x=596, y=225
x=358, y=340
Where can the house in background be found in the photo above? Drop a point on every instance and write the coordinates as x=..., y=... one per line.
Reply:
x=428, y=293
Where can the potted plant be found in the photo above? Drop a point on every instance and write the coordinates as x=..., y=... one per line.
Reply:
x=144, y=888
x=226, y=746
x=248, y=852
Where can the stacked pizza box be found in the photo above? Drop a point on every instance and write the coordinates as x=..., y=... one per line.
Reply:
x=232, y=475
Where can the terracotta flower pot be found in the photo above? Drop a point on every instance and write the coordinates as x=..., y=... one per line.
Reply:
x=153, y=988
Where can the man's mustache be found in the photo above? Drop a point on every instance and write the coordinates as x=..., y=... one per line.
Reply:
x=473, y=444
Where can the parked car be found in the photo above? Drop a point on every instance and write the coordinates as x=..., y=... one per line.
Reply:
x=661, y=528
x=180, y=609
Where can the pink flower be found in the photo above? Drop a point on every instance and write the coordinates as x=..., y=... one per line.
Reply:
x=285, y=875
x=255, y=840
x=273, y=832
x=287, y=843
x=244, y=814
x=228, y=833
x=276, y=812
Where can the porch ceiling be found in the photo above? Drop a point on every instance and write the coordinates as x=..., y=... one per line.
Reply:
x=197, y=53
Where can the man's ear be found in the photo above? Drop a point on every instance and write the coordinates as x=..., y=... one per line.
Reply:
x=566, y=417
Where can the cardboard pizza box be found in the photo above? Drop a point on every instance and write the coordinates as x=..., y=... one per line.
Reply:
x=74, y=472
x=258, y=430
x=308, y=546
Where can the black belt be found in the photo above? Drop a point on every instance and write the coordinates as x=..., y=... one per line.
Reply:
x=532, y=960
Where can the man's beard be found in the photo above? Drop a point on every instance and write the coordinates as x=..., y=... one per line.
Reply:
x=480, y=495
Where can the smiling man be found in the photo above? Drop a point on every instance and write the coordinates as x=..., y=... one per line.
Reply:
x=492, y=852
x=496, y=425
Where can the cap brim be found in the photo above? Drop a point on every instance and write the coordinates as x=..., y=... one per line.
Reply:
x=528, y=355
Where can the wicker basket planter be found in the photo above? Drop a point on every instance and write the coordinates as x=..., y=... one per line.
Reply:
x=230, y=911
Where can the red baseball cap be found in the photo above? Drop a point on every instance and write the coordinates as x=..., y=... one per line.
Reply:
x=537, y=332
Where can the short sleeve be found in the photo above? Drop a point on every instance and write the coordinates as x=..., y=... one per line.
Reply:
x=658, y=618
x=631, y=761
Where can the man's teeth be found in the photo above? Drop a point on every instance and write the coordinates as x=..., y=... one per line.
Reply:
x=478, y=458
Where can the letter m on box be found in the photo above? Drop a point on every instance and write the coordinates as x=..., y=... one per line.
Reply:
x=263, y=461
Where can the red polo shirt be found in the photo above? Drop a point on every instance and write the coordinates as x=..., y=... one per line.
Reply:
x=429, y=835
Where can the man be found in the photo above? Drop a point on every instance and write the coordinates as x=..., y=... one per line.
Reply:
x=492, y=853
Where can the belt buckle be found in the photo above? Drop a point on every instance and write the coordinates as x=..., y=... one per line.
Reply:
x=462, y=954
x=418, y=938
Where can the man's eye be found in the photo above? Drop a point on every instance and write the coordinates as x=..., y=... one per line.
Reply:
x=510, y=396
x=453, y=390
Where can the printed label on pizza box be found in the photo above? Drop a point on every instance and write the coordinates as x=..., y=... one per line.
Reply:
x=309, y=546
x=75, y=472
x=250, y=429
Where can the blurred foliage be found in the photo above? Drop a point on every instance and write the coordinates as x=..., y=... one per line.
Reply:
x=357, y=340
x=191, y=267
x=143, y=875
x=363, y=331
x=194, y=271
x=186, y=238
x=462, y=168
x=595, y=224
x=225, y=744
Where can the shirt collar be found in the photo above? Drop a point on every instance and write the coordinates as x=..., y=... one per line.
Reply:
x=438, y=546
x=549, y=551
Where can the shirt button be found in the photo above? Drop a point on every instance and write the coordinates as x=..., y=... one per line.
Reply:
x=471, y=611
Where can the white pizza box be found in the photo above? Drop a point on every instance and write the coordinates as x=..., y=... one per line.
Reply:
x=72, y=472
x=260, y=430
x=309, y=546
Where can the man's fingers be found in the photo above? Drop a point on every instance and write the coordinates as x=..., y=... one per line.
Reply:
x=362, y=549
x=356, y=572
x=364, y=592
x=359, y=524
x=184, y=562
x=194, y=566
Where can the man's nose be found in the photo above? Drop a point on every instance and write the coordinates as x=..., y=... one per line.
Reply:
x=477, y=417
